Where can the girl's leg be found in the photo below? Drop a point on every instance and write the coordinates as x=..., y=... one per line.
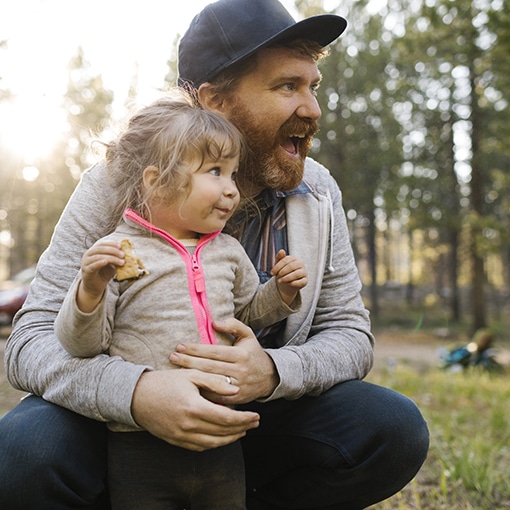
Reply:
x=220, y=480
x=145, y=472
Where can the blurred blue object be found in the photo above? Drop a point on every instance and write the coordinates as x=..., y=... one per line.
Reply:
x=477, y=353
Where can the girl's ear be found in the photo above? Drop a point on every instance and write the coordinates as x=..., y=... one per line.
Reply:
x=150, y=176
x=209, y=98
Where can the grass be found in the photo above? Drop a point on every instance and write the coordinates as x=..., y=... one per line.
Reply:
x=469, y=420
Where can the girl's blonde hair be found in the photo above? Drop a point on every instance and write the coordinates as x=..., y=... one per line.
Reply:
x=170, y=134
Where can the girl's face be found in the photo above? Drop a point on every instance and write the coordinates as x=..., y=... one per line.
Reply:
x=211, y=201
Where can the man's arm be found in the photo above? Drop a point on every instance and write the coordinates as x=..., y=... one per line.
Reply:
x=246, y=364
x=34, y=359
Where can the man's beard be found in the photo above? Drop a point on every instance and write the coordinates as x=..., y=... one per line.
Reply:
x=265, y=165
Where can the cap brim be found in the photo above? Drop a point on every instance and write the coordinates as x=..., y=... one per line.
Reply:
x=323, y=29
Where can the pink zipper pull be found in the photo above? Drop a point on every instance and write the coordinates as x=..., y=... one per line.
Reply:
x=198, y=277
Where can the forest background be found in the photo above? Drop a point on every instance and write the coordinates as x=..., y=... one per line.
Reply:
x=415, y=129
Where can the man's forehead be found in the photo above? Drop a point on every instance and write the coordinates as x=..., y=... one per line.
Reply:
x=274, y=62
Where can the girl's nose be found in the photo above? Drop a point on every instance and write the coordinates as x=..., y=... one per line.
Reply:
x=230, y=189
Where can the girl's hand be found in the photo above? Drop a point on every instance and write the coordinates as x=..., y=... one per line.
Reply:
x=97, y=267
x=290, y=274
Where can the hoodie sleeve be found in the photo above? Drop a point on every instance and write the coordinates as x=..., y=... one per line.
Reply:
x=85, y=334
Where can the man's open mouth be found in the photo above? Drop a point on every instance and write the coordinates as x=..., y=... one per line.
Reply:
x=291, y=143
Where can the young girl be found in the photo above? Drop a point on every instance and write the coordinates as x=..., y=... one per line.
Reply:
x=175, y=168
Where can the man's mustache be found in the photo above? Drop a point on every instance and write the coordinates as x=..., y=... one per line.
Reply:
x=297, y=126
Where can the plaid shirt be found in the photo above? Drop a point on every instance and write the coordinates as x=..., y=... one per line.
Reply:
x=261, y=228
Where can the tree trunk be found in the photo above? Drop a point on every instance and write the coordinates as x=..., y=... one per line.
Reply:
x=372, y=260
x=454, y=270
x=478, y=276
x=477, y=187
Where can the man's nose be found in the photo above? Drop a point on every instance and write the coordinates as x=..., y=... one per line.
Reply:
x=309, y=107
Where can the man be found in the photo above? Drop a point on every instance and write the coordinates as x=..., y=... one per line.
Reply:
x=315, y=436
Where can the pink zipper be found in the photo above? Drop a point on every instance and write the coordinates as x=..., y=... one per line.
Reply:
x=195, y=274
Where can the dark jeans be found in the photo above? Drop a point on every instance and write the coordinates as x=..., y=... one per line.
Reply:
x=354, y=445
x=144, y=473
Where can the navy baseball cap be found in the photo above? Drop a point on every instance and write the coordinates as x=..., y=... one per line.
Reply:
x=227, y=31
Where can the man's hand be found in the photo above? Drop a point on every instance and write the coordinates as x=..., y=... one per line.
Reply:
x=245, y=364
x=169, y=405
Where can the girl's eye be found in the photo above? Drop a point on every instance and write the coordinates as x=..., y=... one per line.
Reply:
x=215, y=171
x=234, y=176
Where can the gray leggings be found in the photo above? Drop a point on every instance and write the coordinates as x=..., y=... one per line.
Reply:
x=146, y=473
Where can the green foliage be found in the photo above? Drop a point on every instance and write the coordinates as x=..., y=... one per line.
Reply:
x=415, y=129
x=170, y=79
x=359, y=137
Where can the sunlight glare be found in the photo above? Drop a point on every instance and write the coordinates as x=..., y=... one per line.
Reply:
x=30, y=128
x=30, y=173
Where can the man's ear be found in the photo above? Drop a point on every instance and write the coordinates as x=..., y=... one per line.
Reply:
x=210, y=99
x=150, y=176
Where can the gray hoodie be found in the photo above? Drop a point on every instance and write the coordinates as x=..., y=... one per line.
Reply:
x=328, y=341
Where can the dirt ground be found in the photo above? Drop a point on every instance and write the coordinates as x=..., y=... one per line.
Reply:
x=418, y=350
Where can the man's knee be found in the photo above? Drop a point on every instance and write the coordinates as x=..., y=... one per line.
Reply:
x=364, y=436
x=61, y=453
x=402, y=427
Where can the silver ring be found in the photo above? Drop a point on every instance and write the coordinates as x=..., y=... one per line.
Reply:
x=229, y=379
